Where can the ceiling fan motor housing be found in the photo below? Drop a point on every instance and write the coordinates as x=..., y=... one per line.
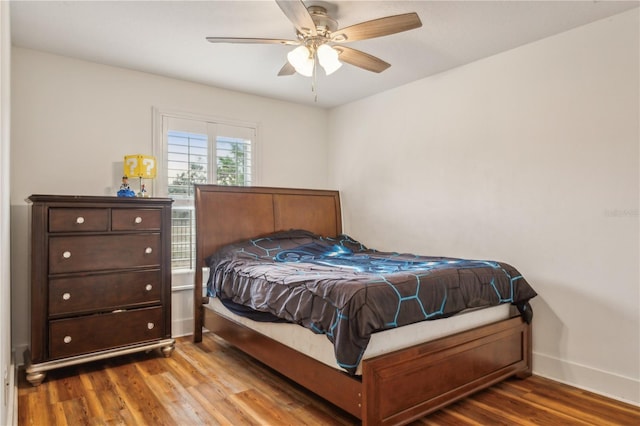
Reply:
x=325, y=25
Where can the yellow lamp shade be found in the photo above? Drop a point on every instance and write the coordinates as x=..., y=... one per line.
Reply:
x=142, y=166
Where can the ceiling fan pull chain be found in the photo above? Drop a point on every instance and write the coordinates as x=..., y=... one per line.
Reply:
x=314, y=78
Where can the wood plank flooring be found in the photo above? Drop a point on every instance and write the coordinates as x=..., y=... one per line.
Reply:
x=211, y=383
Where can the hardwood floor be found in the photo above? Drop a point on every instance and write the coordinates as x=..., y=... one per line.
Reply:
x=211, y=383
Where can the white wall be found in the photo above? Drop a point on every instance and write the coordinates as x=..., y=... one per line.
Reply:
x=530, y=157
x=7, y=394
x=73, y=121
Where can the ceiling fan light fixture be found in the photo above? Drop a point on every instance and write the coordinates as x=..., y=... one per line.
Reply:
x=328, y=58
x=301, y=59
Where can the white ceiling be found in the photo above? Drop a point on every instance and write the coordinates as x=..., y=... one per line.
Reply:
x=168, y=38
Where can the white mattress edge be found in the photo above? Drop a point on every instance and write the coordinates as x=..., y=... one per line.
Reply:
x=320, y=348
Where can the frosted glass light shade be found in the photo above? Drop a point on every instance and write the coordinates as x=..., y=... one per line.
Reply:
x=300, y=58
x=328, y=58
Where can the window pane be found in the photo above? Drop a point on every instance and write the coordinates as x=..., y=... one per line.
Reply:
x=233, y=161
x=188, y=163
x=182, y=238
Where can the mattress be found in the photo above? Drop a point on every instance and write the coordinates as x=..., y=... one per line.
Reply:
x=318, y=347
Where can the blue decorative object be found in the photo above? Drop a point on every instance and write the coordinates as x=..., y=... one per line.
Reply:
x=125, y=191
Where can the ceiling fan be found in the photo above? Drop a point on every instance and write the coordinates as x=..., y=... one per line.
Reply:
x=320, y=41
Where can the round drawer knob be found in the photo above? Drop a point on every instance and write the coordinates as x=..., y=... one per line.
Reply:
x=150, y=325
x=67, y=339
x=148, y=287
x=138, y=219
x=148, y=250
x=66, y=296
x=66, y=254
x=80, y=220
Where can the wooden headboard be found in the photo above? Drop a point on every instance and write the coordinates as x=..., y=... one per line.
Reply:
x=226, y=214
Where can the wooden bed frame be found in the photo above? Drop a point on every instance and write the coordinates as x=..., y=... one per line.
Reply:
x=395, y=388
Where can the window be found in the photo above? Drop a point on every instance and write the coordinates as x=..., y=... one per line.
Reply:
x=197, y=150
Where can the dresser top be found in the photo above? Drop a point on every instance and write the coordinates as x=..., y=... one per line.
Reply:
x=93, y=199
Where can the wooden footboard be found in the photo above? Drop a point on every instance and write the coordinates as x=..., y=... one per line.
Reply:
x=402, y=386
x=405, y=385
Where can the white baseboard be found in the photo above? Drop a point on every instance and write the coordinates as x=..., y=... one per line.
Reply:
x=625, y=389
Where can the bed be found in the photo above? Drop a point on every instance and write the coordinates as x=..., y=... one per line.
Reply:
x=391, y=388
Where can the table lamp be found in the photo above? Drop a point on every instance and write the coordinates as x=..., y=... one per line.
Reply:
x=141, y=166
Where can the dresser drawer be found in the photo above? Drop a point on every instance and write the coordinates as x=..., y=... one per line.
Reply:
x=75, y=336
x=103, y=252
x=78, y=220
x=105, y=292
x=136, y=219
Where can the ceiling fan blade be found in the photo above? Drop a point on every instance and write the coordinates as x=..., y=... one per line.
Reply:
x=361, y=59
x=377, y=28
x=298, y=14
x=287, y=69
x=251, y=40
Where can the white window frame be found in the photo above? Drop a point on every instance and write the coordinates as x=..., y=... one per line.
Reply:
x=182, y=279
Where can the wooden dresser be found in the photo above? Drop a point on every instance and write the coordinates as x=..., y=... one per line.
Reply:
x=100, y=279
